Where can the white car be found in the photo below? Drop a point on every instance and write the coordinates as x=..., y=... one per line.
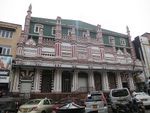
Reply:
x=96, y=102
x=144, y=97
x=36, y=106
x=119, y=96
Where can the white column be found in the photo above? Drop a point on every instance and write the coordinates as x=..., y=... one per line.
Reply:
x=36, y=80
x=16, y=81
x=57, y=80
x=75, y=80
x=131, y=83
x=119, y=82
x=105, y=84
x=91, y=80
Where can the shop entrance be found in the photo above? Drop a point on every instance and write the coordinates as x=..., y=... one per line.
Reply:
x=4, y=88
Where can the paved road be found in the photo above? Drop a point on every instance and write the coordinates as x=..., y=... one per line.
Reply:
x=146, y=111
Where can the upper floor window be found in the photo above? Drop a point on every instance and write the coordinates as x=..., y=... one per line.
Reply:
x=53, y=30
x=69, y=32
x=5, y=50
x=122, y=41
x=6, y=33
x=84, y=34
x=37, y=28
x=111, y=39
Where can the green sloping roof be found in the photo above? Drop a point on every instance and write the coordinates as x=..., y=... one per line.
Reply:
x=78, y=24
x=66, y=22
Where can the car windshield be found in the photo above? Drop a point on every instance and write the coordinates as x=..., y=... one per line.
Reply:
x=119, y=93
x=33, y=102
x=94, y=97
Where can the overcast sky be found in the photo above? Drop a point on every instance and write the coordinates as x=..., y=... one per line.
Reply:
x=113, y=15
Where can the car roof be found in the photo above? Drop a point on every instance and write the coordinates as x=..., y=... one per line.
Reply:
x=96, y=92
x=119, y=88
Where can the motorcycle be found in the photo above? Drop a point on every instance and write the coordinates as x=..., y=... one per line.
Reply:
x=138, y=106
x=123, y=108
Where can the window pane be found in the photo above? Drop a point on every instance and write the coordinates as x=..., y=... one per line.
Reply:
x=0, y=32
x=1, y=50
x=7, y=33
x=8, y=51
x=3, y=33
x=11, y=33
x=4, y=51
x=37, y=29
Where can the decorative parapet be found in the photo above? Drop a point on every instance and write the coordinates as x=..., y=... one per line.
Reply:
x=138, y=65
x=138, y=62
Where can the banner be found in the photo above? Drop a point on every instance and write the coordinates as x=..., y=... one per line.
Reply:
x=5, y=62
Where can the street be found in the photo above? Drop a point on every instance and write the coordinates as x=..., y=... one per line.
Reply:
x=146, y=111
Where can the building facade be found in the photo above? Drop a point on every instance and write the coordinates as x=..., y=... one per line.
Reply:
x=61, y=55
x=142, y=50
x=9, y=37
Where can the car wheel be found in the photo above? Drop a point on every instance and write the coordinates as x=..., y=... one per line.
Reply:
x=114, y=110
x=53, y=111
x=43, y=112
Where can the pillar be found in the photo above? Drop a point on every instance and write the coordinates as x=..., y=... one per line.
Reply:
x=131, y=83
x=57, y=80
x=91, y=80
x=75, y=80
x=119, y=82
x=105, y=84
x=37, y=80
x=16, y=81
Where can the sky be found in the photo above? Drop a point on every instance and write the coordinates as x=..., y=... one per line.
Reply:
x=112, y=15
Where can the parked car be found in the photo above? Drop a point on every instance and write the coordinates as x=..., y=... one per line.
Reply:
x=36, y=106
x=144, y=97
x=8, y=104
x=119, y=96
x=71, y=108
x=96, y=102
x=65, y=101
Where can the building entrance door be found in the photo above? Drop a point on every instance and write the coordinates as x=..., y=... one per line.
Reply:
x=47, y=83
x=66, y=81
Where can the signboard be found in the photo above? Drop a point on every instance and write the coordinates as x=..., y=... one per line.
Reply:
x=5, y=62
x=4, y=79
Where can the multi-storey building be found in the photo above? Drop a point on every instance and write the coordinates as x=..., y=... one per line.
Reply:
x=61, y=55
x=142, y=50
x=9, y=37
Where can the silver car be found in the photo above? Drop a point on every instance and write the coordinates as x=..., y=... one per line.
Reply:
x=96, y=101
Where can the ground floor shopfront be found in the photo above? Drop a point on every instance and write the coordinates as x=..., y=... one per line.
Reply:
x=4, y=81
x=59, y=80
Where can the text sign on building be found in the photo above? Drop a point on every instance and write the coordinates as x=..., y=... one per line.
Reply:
x=5, y=62
x=4, y=79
